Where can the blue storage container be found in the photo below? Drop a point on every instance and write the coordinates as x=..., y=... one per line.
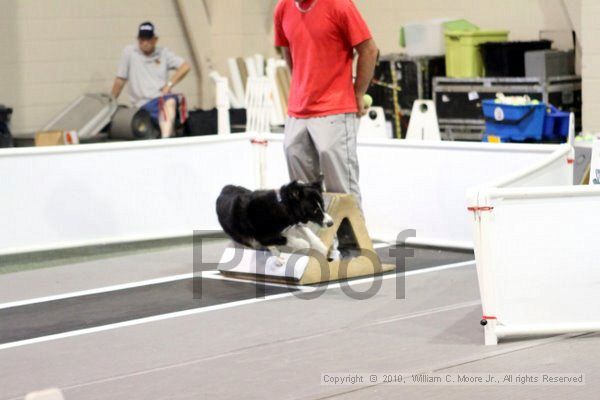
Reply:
x=510, y=123
x=556, y=125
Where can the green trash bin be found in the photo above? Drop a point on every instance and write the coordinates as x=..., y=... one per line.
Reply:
x=463, y=56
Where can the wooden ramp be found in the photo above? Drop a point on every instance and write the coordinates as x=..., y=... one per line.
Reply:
x=305, y=269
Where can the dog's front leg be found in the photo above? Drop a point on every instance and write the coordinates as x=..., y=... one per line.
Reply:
x=315, y=242
x=295, y=239
x=275, y=251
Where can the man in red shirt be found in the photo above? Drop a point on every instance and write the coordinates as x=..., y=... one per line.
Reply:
x=318, y=39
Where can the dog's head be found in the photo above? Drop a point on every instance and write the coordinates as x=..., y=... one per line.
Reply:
x=305, y=201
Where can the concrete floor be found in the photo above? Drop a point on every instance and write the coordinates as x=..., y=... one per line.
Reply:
x=277, y=348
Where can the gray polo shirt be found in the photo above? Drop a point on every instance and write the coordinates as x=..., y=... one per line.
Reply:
x=147, y=75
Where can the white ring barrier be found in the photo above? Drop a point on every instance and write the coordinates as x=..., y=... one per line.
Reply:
x=538, y=270
x=71, y=196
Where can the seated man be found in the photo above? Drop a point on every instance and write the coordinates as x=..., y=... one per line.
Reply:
x=147, y=67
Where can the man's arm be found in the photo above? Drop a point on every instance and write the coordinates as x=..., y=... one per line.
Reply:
x=281, y=40
x=118, y=87
x=287, y=56
x=122, y=73
x=181, y=72
x=365, y=68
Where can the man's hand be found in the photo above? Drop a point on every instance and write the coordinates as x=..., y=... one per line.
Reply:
x=362, y=107
x=176, y=78
x=166, y=90
x=117, y=87
x=365, y=66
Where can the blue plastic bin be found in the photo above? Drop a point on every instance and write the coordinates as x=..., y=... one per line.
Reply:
x=509, y=123
x=556, y=125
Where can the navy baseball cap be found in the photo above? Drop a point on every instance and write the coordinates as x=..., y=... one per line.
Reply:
x=146, y=30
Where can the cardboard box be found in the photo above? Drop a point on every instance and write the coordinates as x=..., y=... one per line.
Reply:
x=56, y=138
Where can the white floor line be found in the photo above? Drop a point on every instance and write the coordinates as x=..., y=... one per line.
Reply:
x=213, y=274
x=337, y=285
x=140, y=321
x=408, y=273
x=130, y=285
x=211, y=308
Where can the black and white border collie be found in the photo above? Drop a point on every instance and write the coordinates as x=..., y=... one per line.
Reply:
x=273, y=218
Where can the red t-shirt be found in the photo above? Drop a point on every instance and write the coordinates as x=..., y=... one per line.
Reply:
x=321, y=43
